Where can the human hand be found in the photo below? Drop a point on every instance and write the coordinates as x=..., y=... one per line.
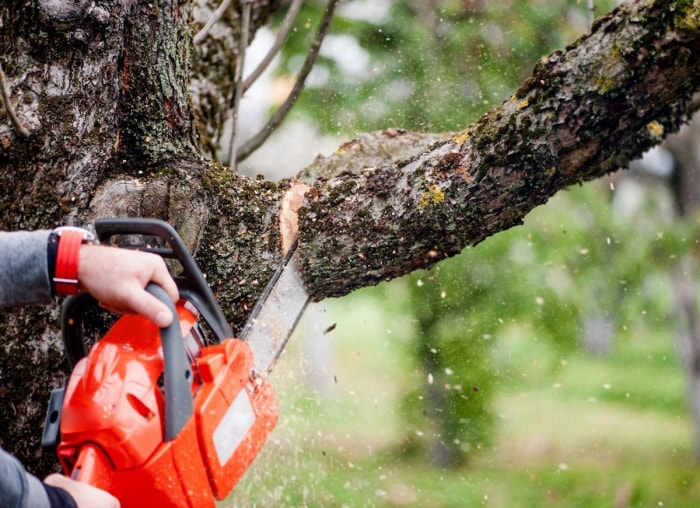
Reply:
x=117, y=278
x=84, y=495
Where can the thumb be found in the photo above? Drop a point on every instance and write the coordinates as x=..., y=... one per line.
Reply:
x=149, y=306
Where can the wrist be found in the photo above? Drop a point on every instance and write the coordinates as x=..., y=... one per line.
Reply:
x=59, y=498
x=63, y=258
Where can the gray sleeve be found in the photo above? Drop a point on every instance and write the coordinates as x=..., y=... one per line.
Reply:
x=18, y=489
x=24, y=278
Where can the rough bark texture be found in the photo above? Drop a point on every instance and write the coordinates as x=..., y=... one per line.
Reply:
x=102, y=88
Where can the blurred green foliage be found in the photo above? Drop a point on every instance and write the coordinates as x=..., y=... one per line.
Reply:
x=571, y=263
x=425, y=65
x=449, y=412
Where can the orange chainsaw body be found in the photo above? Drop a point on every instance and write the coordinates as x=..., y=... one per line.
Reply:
x=112, y=419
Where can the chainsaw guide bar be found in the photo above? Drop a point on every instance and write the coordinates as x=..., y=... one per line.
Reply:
x=276, y=313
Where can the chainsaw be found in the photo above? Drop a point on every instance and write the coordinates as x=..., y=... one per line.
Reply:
x=170, y=417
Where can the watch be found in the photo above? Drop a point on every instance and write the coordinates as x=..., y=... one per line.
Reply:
x=65, y=243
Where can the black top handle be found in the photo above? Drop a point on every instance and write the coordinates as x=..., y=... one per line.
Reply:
x=191, y=283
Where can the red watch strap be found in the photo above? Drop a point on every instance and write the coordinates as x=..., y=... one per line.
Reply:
x=66, y=274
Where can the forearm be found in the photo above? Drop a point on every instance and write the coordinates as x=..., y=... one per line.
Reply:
x=17, y=488
x=24, y=277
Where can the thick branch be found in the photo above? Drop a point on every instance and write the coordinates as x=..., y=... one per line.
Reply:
x=583, y=113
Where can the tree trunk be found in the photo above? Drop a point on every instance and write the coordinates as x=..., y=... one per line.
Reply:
x=102, y=92
x=688, y=336
x=685, y=187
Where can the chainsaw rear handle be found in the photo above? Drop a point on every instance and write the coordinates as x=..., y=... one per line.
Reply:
x=92, y=467
x=177, y=372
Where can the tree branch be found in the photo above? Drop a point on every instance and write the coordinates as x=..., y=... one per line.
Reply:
x=216, y=16
x=583, y=113
x=257, y=140
x=277, y=45
x=238, y=92
x=9, y=108
x=591, y=12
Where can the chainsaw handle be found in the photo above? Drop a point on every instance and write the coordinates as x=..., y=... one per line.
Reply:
x=191, y=282
x=92, y=467
x=177, y=372
x=72, y=314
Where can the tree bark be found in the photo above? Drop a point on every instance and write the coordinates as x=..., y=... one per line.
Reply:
x=102, y=91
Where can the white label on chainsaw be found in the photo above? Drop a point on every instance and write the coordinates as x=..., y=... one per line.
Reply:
x=233, y=427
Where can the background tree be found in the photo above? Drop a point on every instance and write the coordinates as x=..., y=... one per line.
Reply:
x=98, y=122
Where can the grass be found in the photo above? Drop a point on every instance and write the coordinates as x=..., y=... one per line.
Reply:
x=573, y=430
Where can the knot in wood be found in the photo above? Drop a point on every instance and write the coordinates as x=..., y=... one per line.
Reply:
x=64, y=14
